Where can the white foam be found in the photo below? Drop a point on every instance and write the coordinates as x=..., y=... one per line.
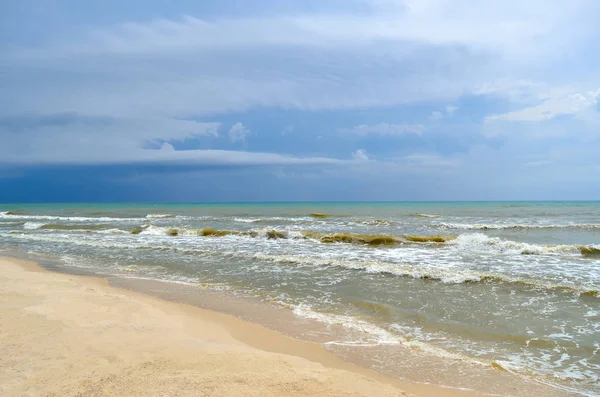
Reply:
x=79, y=241
x=6, y=215
x=247, y=220
x=155, y=230
x=295, y=235
x=10, y=223
x=449, y=276
x=504, y=226
x=32, y=225
x=150, y=216
x=169, y=231
x=112, y=231
x=427, y=215
x=481, y=242
x=376, y=334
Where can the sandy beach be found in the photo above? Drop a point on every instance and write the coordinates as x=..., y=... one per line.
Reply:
x=66, y=335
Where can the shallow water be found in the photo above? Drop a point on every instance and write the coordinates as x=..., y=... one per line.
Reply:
x=508, y=286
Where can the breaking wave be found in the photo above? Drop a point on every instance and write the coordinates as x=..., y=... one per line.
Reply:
x=32, y=225
x=348, y=238
x=427, y=273
x=377, y=222
x=481, y=242
x=474, y=242
x=492, y=226
x=12, y=215
x=370, y=334
x=248, y=220
x=443, y=275
x=159, y=216
x=421, y=215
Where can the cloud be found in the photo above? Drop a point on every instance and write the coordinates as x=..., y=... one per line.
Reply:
x=167, y=147
x=73, y=139
x=238, y=132
x=558, y=104
x=142, y=90
x=166, y=156
x=436, y=115
x=383, y=129
x=76, y=126
x=326, y=57
x=360, y=155
x=505, y=26
x=448, y=111
x=429, y=160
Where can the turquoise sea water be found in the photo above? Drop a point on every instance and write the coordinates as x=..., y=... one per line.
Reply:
x=512, y=286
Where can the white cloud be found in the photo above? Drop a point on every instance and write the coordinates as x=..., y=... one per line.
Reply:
x=164, y=156
x=383, y=129
x=74, y=139
x=429, y=160
x=558, y=104
x=436, y=115
x=402, y=52
x=450, y=110
x=360, y=155
x=507, y=27
x=153, y=77
x=537, y=163
x=167, y=147
x=238, y=132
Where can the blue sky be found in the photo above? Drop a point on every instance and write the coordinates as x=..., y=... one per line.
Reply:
x=265, y=100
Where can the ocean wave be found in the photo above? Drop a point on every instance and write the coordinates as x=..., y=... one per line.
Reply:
x=373, y=334
x=422, y=215
x=82, y=242
x=159, y=216
x=428, y=273
x=32, y=225
x=370, y=334
x=4, y=224
x=309, y=219
x=481, y=242
x=519, y=226
x=391, y=268
x=348, y=238
x=248, y=220
x=78, y=227
x=591, y=251
x=81, y=228
x=377, y=222
x=11, y=215
x=374, y=240
x=474, y=242
x=443, y=275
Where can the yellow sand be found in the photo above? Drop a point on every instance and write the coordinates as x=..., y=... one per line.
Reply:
x=64, y=335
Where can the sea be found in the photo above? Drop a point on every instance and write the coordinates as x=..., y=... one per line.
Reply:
x=498, y=297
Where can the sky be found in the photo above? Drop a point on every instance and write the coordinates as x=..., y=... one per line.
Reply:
x=316, y=100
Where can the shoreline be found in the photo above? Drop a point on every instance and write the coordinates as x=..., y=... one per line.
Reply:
x=455, y=315
x=93, y=337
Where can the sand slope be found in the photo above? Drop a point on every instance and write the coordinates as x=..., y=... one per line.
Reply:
x=63, y=335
